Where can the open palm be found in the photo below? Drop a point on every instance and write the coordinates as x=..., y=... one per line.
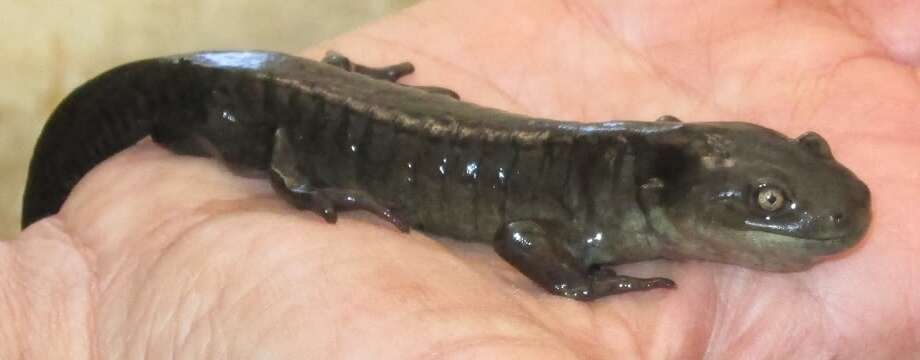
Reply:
x=165, y=255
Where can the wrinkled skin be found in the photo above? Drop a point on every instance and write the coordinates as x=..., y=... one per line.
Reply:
x=160, y=255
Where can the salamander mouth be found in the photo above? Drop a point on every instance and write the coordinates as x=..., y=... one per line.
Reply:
x=758, y=249
x=830, y=242
x=827, y=244
x=820, y=237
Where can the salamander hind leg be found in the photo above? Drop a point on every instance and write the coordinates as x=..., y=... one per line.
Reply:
x=297, y=189
x=439, y=90
x=543, y=251
x=390, y=73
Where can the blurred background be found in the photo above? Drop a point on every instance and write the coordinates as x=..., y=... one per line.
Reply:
x=50, y=47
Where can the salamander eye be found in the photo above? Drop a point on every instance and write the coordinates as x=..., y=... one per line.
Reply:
x=770, y=198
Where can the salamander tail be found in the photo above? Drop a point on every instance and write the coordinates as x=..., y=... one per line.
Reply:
x=97, y=120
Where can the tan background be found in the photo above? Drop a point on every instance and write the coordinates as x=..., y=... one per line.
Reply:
x=50, y=47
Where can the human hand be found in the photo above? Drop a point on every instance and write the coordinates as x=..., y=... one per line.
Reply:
x=164, y=255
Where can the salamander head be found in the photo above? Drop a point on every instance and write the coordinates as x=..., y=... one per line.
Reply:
x=743, y=194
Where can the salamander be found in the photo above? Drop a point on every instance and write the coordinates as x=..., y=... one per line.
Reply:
x=563, y=202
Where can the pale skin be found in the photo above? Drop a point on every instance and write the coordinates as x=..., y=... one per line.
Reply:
x=166, y=256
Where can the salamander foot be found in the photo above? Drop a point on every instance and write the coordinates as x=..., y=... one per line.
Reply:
x=327, y=202
x=547, y=253
x=391, y=73
x=298, y=190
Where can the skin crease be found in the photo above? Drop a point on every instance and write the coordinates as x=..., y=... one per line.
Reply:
x=159, y=255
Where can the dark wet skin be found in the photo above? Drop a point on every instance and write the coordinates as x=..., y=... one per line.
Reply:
x=560, y=201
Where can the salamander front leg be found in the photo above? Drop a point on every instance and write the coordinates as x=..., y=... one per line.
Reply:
x=544, y=252
x=296, y=188
x=390, y=73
